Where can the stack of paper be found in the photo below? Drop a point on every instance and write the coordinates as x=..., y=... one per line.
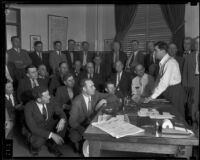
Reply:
x=117, y=127
x=145, y=112
x=165, y=115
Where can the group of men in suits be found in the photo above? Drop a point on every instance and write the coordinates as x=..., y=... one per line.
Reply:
x=74, y=85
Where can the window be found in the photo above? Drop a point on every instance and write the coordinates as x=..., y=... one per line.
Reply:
x=149, y=25
x=12, y=25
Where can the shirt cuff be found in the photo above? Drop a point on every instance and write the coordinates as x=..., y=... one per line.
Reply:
x=154, y=96
x=50, y=135
x=62, y=120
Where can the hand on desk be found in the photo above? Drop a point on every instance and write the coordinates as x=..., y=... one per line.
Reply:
x=147, y=100
x=101, y=102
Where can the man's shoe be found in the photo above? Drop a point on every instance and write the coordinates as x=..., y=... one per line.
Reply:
x=54, y=150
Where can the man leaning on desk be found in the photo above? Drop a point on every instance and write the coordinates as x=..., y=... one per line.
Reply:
x=168, y=81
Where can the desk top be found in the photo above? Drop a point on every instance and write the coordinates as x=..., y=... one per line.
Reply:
x=149, y=136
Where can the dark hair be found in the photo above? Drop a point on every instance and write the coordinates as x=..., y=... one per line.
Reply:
x=109, y=82
x=30, y=66
x=62, y=63
x=55, y=42
x=116, y=42
x=66, y=76
x=162, y=45
x=37, y=42
x=84, y=42
x=71, y=40
x=135, y=41
x=37, y=91
x=13, y=37
x=82, y=83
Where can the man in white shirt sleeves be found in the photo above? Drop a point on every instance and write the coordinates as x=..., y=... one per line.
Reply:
x=142, y=85
x=168, y=81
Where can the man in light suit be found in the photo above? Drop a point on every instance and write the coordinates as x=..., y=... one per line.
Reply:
x=18, y=56
x=84, y=107
x=56, y=56
x=41, y=124
x=191, y=77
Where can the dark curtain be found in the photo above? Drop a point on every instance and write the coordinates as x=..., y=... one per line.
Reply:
x=124, y=16
x=174, y=15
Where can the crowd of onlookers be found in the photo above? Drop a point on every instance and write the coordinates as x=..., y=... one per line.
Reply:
x=56, y=80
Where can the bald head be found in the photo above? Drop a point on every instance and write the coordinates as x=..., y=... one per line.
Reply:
x=139, y=70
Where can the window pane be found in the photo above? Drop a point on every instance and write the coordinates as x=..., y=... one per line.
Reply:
x=11, y=16
x=10, y=31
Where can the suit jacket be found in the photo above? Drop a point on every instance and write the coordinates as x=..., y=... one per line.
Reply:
x=21, y=60
x=69, y=60
x=97, y=79
x=55, y=59
x=139, y=58
x=189, y=67
x=79, y=117
x=24, y=91
x=36, y=60
x=124, y=84
x=13, y=73
x=109, y=61
x=35, y=121
x=90, y=56
x=62, y=96
x=102, y=72
x=180, y=61
x=54, y=83
x=148, y=61
x=10, y=108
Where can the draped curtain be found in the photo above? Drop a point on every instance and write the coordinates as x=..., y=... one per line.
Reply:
x=174, y=15
x=124, y=16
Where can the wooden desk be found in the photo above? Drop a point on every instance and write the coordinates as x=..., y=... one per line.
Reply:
x=145, y=142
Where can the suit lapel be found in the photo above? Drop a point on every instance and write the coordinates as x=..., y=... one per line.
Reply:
x=84, y=105
x=37, y=111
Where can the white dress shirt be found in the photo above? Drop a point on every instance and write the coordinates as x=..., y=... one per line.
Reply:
x=86, y=98
x=144, y=84
x=12, y=99
x=197, y=63
x=169, y=75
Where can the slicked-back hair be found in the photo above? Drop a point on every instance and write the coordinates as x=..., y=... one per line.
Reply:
x=30, y=66
x=84, y=43
x=135, y=41
x=13, y=37
x=55, y=42
x=37, y=91
x=83, y=83
x=162, y=45
x=66, y=76
x=71, y=40
x=37, y=42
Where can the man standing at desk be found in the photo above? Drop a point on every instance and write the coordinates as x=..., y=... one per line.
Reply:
x=168, y=81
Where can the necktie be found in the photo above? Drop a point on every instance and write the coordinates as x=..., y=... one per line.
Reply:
x=34, y=83
x=84, y=59
x=40, y=54
x=118, y=78
x=97, y=69
x=44, y=112
x=89, y=106
x=72, y=57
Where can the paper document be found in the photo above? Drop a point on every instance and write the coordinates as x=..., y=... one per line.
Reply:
x=117, y=127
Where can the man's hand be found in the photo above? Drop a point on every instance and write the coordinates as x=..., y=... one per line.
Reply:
x=60, y=126
x=101, y=102
x=18, y=106
x=57, y=139
x=147, y=100
x=8, y=124
x=65, y=106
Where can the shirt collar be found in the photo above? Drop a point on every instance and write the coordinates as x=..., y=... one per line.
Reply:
x=164, y=59
x=86, y=97
x=8, y=96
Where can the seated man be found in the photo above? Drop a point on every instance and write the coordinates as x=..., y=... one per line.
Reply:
x=142, y=84
x=65, y=94
x=31, y=80
x=43, y=74
x=57, y=78
x=84, y=107
x=111, y=89
x=39, y=118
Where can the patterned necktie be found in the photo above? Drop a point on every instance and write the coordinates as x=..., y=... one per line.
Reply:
x=44, y=112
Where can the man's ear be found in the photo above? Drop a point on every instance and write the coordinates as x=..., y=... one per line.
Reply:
x=39, y=100
x=106, y=89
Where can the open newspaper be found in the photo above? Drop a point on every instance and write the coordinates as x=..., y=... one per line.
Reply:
x=117, y=127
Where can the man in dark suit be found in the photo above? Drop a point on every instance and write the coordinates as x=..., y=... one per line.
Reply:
x=24, y=91
x=121, y=79
x=187, y=45
x=71, y=55
x=11, y=104
x=136, y=57
x=191, y=78
x=97, y=79
x=173, y=52
x=11, y=73
x=18, y=56
x=115, y=55
x=39, y=118
x=84, y=107
x=56, y=56
x=100, y=67
x=85, y=55
x=43, y=74
x=57, y=78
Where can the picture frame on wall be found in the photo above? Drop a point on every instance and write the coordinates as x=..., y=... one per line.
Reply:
x=107, y=44
x=57, y=30
x=33, y=39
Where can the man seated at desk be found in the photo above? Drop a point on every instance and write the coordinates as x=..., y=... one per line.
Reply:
x=168, y=81
x=84, y=107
